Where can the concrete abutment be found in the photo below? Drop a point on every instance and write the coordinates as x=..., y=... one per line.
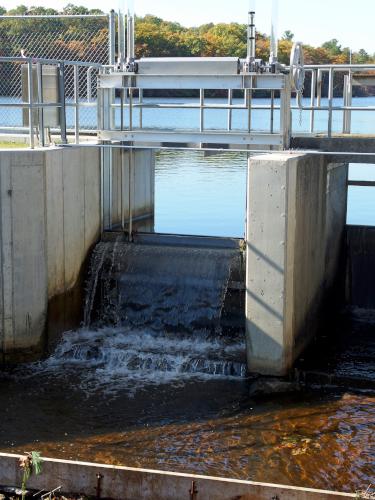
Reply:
x=296, y=216
x=51, y=217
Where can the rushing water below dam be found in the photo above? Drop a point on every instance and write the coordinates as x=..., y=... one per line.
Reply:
x=154, y=380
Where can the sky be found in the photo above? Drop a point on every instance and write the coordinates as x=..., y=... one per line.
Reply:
x=312, y=21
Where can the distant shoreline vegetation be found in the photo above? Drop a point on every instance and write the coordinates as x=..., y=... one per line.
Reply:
x=86, y=39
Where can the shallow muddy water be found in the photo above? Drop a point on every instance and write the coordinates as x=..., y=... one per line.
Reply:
x=198, y=426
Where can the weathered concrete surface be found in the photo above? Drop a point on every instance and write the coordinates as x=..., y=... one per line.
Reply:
x=354, y=144
x=295, y=228
x=125, y=483
x=361, y=266
x=50, y=218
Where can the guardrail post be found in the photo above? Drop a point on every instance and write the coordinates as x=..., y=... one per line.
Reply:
x=76, y=103
x=62, y=102
x=330, y=101
x=112, y=37
x=312, y=100
x=285, y=113
x=348, y=94
x=40, y=102
x=31, y=114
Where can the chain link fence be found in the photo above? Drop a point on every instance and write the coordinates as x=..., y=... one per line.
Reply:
x=70, y=38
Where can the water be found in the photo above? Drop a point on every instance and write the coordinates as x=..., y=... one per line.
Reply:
x=207, y=195
x=152, y=379
x=152, y=315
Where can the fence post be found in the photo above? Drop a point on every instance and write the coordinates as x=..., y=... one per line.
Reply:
x=62, y=102
x=112, y=37
x=31, y=114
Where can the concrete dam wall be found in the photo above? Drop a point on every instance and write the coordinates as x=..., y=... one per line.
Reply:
x=51, y=216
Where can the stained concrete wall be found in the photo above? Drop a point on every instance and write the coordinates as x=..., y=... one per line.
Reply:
x=295, y=228
x=125, y=483
x=50, y=218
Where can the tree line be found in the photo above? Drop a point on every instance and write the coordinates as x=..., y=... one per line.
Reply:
x=87, y=38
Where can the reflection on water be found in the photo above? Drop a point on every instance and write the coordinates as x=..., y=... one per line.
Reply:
x=198, y=194
x=206, y=195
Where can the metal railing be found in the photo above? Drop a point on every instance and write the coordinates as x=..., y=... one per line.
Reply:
x=36, y=105
x=83, y=38
x=78, y=104
x=349, y=71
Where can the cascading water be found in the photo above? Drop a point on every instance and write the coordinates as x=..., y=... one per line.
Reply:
x=152, y=314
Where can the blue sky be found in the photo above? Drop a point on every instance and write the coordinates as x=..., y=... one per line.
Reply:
x=312, y=21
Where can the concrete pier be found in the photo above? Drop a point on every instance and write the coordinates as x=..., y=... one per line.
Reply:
x=51, y=216
x=296, y=218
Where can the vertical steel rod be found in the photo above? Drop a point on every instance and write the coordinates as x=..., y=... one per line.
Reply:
x=131, y=192
x=122, y=189
x=62, y=103
x=272, y=119
x=319, y=88
x=31, y=114
x=40, y=101
x=249, y=99
x=140, y=101
x=130, y=109
x=122, y=109
x=312, y=100
x=76, y=102
x=112, y=37
x=230, y=101
x=330, y=101
x=201, y=110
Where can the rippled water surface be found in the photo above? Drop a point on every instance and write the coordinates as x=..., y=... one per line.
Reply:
x=205, y=427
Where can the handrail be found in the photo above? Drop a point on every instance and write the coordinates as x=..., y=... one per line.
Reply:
x=42, y=60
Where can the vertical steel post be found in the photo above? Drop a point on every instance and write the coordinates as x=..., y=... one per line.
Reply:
x=112, y=37
x=230, y=101
x=312, y=100
x=249, y=99
x=201, y=110
x=40, y=101
x=140, y=102
x=106, y=159
x=76, y=103
x=285, y=113
x=112, y=60
x=131, y=192
x=130, y=109
x=30, y=91
x=121, y=54
x=272, y=118
x=348, y=94
x=330, y=100
x=319, y=88
x=62, y=102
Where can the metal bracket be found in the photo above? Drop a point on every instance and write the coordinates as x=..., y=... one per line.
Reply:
x=193, y=491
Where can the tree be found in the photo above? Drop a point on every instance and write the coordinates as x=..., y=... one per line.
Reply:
x=333, y=47
x=288, y=35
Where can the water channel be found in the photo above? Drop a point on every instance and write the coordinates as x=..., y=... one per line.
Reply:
x=171, y=394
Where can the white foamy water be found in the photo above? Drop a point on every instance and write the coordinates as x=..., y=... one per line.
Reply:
x=114, y=359
x=152, y=315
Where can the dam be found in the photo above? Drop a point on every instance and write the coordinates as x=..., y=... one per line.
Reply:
x=149, y=354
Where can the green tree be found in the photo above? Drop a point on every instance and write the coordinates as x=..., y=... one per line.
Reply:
x=288, y=35
x=333, y=47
